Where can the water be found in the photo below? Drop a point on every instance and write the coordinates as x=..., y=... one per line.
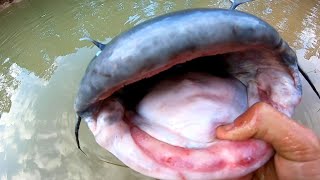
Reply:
x=42, y=62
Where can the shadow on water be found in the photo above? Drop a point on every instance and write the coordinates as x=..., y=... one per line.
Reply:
x=42, y=61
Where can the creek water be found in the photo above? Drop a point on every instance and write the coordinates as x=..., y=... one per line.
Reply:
x=42, y=62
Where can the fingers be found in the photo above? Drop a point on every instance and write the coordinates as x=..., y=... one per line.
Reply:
x=261, y=121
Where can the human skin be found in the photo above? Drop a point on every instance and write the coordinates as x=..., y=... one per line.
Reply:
x=297, y=149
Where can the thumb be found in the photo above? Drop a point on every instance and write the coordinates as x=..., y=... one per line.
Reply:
x=261, y=121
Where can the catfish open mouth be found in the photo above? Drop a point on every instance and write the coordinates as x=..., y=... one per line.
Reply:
x=155, y=94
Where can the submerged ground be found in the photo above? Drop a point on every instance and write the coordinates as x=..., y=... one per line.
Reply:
x=42, y=62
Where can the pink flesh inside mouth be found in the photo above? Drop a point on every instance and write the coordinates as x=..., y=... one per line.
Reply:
x=171, y=133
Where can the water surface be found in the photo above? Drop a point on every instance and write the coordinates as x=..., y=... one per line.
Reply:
x=42, y=62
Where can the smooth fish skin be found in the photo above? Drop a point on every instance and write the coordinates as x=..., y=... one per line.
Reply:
x=162, y=42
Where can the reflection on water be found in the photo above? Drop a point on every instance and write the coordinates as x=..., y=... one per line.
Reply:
x=42, y=61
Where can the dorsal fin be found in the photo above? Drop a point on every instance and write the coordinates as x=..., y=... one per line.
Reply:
x=98, y=44
x=236, y=3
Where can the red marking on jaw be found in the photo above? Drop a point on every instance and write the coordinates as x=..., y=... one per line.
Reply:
x=220, y=156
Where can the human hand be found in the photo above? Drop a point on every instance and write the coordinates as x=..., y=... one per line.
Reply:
x=297, y=149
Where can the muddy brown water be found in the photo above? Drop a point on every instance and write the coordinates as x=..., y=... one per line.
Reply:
x=42, y=62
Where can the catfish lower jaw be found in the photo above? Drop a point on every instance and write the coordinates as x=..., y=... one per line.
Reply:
x=172, y=132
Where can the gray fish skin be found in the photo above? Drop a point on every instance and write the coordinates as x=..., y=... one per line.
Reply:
x=162, y=42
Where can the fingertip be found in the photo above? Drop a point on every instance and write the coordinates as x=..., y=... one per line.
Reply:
x=222, y=131
x=230, y=132
x=244, y=127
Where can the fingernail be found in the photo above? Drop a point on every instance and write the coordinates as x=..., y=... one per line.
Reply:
x=228, y=127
